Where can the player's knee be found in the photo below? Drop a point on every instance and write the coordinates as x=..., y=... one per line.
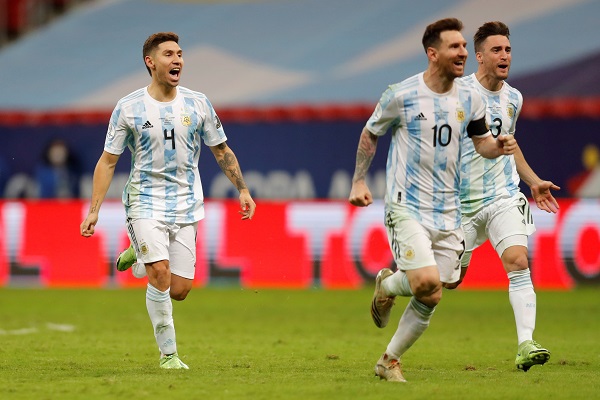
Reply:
x=426, y=286
x=516, y=261
x=179, y=295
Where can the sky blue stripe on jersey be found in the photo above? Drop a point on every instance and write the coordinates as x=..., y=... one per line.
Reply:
x=413, y=154
x=512, y=185
x=191, y=153
x=441, y=134
x=170, y=163
x=146, y=164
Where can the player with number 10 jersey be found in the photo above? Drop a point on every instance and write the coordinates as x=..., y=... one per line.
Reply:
x=422, y=169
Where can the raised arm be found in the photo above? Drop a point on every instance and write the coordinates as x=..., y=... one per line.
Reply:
x=103, y=174
x=540, y=189
x=231, y=168
x=360, y=195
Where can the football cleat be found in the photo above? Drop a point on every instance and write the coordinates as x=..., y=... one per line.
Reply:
x=172, y=361
x=529, y=354
x=389, y=369
x=126, y=259
x=382, y=304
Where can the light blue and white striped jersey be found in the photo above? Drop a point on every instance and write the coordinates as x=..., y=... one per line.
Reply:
x=486, y=180
x=165, y=140
x=422, y=171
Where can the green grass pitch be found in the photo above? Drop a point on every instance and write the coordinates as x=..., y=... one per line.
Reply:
x=275, y=344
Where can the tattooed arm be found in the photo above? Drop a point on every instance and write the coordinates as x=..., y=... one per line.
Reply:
x=231, y=168
x=360, y=195
x=103, y=174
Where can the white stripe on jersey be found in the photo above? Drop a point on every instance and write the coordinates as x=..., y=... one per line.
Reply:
x=422, y=171
x=165, y=140
x=485, y=180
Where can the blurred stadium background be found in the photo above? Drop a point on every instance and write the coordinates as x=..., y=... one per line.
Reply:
x=293, y=82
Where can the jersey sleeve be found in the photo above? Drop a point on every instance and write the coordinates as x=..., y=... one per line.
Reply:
x=477, y=126
x=385, y=114
x=116, y=135
x=212, y=132
x=513, y=127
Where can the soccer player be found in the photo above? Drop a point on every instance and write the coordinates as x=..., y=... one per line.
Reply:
x=492, y=205
x=164, y=126
x=428, y=114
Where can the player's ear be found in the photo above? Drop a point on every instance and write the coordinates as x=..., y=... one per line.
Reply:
x=149, y=61
x=479, y=57
x=432, y=53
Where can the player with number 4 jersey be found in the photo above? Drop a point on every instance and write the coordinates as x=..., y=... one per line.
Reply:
x=164, y=126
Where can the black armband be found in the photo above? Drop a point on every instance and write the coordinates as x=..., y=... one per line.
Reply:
x=477, y=127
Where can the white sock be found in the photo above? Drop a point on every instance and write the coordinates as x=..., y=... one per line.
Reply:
x=523, y=300
x=397, y=285
x=413, y=323
x=160, y=310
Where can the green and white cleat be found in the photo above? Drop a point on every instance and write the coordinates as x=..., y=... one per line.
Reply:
x=126, y=259
x=172, y=361
x=530, y=353
x=381, y=305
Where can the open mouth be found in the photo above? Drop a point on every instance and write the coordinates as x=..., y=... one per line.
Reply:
x=175, y=72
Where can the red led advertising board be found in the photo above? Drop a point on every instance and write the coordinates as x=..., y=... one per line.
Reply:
x=288, y=245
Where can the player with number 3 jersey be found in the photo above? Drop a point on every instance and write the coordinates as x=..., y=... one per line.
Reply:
x=493, y=206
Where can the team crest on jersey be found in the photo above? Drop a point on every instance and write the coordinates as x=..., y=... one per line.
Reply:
x=460, y=115
x=186, y=120
x=144, y=248
x=510, y=111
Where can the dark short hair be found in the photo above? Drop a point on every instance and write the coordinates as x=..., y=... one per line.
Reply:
x=431, y=37
x=489, y=29
x=154, y=41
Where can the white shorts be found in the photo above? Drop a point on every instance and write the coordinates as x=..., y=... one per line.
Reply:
x=498, y=221
x=415, y=246
x=156, y=240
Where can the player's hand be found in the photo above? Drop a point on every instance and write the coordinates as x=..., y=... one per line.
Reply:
x=247, y=205
x=543, y=197
x=507, y=143
x=360, y=195
x=88, y=226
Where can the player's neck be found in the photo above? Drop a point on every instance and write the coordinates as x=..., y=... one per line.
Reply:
x=438, y=83
x=489, y=82
x=162, y=93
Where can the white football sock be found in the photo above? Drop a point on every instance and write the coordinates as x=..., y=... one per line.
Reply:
x=397, y=285
x=160, y=310
x=413, y=323
x=523, y=300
